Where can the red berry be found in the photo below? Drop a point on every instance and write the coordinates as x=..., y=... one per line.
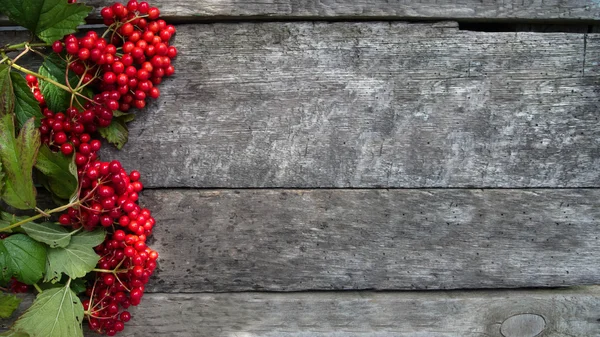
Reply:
x=125, y=316
x=72, y=48
x=57, y=47
x=153, y=13
x=132, y=5
x=60, y=138
x=66, y=149
x=143, y=7
x=107, y=13
x=109, y=78
x=64, y=219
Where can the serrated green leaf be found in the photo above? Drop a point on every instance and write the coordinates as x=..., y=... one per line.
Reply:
x=7, y=96
x=8, y=304
x=75, y=260
x=18, y=156
x=21, y=257
x=56, y=312
x=11, y=333
x=54, y=235
x=60, y=171
x=54, y=67
x=26, y=106
x=116, y=133
x=49, y=20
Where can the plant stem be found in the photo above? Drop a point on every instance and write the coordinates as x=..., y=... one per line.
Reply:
x=116, y=271
x=42, y=77
x=35, y=217
x=35, y=285
x=24, y=45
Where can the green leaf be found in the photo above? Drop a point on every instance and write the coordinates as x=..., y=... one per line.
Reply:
x=54, y=68
x=1, y=178
x=26, y=106
x=56, y=312
x=116, y=133
x=18, y=156
x=75, y=260
x=49, y=20
x=21, y=257
x=8, y=304
x=60, y=170
x=7, y=96
x=7, y=219
x=78, y=285
x=11, y=333
x=54, y=235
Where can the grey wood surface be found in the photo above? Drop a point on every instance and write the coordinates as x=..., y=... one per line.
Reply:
x=548, y=10
x=371, y=105
x=522, y=313
x=293, y=240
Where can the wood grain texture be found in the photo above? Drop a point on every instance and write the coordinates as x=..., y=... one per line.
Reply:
x=549, y=10
x=370, y=105
x=293, y=240
x=567, y=312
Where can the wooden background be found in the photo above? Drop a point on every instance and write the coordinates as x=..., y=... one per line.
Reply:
x=313, y=166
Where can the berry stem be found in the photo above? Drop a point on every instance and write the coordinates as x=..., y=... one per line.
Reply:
x=35, y=217
x=37, y=287
x=116, y=271
x=40, y=76
x=22, y=45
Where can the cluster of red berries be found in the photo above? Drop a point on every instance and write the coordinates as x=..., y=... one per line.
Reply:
x=131, y=62
x=125, y=71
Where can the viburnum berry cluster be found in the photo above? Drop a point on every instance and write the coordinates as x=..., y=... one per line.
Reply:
x=84, y=88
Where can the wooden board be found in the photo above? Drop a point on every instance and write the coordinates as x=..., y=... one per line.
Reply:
x=553, y=10
x=293, y=240
x=370, y=105
x=522, y=313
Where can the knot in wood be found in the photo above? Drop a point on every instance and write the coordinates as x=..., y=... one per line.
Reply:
x=523, y=325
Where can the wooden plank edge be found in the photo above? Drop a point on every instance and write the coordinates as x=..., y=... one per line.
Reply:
x=569, y=312
x=294, y=240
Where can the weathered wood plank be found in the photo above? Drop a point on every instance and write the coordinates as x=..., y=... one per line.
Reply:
x=291, y=240
x=370, y=105
x=522, y=313
x=552, y=10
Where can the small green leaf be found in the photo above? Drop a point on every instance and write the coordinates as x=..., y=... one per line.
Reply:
x=49, y=20
x=7, y=96
x=8, y=304
x=60, y=170
x=26, y=106
x=75, y=260
x=116, y=133
x=56, y=312
x=18, y=156
x=54, y=235
x=21, y=257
